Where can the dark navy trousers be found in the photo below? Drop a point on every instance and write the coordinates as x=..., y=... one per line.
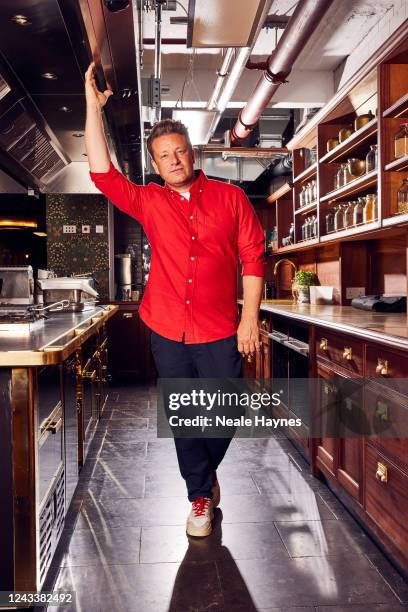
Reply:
x=198, y=458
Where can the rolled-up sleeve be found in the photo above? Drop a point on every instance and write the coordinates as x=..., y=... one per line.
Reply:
x=251, y=239
x=124, y=194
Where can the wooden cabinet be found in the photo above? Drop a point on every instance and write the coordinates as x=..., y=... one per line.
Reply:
x=340, y=350
x=386, y=497
x=130, y=354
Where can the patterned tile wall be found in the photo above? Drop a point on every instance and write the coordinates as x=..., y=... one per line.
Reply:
x=78, y=253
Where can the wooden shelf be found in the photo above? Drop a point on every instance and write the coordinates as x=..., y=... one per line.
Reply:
x=306, y=209
x=398, y=165
x=399, y=107
x=352, y=142
x=348, y=233
x=359, y=184
x=395, y=220
x=298, y=246
x=306, y=174
x=279, y=193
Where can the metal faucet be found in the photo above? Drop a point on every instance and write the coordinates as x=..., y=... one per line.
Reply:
x=275, y=269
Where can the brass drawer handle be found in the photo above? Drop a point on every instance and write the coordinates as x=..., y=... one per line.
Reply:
x=264, y=324
x=383, y=367
x=324, y=345
x=382, y=472
x=249, y=358
x=128, y=315
x=381, y=410
x=348, y=353
x=89, y=375
x=54, y=426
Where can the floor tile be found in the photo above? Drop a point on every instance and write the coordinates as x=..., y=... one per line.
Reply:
x=324, y=538
x=241, y=541
x=303, y=582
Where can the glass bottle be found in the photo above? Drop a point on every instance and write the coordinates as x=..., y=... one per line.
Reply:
x=308, y=194
x=402, y=197
x=338, y=218
x=347, y=215
x=314, y=191
x=302, y=197
x=401, y=141
x=330, y=222
x=347, y=176
x=375, y=206
x=372, y=158
x=307, y=228
x=315, y=226
x=292, y=233
x=338, y=179
x=358, y=209
x=303, y=230
x=368, y=212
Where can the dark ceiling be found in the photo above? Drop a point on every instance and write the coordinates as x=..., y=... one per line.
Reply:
x=62, y=38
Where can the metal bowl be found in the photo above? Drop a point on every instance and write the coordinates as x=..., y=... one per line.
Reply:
x=357, y=167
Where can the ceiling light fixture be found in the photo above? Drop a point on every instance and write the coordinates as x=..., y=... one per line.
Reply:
x=40, y=234
x=77, y=135
x=21, y=20
x=219, y=23
x=65, y=109
x=50, y=76
x=198, y=123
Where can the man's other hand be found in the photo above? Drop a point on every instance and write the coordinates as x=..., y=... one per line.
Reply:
x=248, y=337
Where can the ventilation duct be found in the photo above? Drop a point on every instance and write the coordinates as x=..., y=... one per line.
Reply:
x=28, y=145
x=4, y=88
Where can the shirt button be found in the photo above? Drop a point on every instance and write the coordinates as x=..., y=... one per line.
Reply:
x=187, y=301
x=191, y=217
x=190, y=280
x=192, y=237
x=192, y=258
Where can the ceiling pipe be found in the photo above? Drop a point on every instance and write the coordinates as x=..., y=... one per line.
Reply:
x=157, y=49
x=302, y=24
x=222, y=74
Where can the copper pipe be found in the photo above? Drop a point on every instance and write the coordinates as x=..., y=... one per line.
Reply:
x=302, y=24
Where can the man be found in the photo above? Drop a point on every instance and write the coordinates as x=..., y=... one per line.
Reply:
x=197, y=228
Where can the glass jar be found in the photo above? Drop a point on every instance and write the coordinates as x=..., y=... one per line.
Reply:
x=302, y=197
x=368, y=212
x=338, y=218
x=372, y=158
x=330, y=222
x=304, y=230
x=358, y=209
x=308, y=193
x=401, y=141
x=347, y=215
x=402, y=197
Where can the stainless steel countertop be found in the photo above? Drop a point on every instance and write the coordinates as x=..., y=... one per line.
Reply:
x=61, y=334
x=388, y=328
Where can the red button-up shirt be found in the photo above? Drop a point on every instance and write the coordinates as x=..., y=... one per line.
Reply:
x=195, y=244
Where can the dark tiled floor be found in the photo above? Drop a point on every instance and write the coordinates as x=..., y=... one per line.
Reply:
x=281, y=540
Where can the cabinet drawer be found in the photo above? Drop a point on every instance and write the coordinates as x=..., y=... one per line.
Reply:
x=383, y=364
x=389, y=418
x=341, y=350
x=386, y=500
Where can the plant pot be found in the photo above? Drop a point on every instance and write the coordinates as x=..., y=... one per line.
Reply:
x=303, y=294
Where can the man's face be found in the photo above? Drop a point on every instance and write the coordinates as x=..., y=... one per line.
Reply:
x=173, y=159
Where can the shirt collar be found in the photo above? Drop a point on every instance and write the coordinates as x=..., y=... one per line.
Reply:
x=196, y=186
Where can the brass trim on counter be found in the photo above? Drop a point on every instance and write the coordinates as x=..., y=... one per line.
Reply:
x=54, y=353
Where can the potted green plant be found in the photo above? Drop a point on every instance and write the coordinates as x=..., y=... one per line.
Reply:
x=302, y=281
